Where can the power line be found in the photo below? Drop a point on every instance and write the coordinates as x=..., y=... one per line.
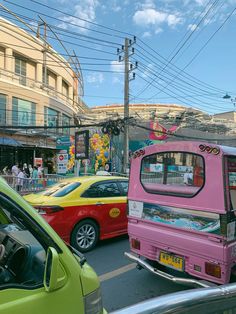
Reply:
x=187, y=86
x=185, y=74
x=87, y=21
x=169, y=73
x=56, y=54
x=66, y=32
x=60, y=20
x=197, y=54
x=171, y=59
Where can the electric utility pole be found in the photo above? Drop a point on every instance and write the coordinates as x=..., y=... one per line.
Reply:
x=128, y=67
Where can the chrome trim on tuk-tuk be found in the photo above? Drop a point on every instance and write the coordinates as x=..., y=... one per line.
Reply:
x=183, y=281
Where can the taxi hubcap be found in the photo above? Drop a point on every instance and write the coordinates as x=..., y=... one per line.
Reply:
x=86, y=236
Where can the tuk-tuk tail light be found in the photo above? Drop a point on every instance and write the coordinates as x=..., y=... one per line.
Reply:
x=213, y=270
x=135, y=244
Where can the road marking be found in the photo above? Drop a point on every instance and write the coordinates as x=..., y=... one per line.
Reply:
x=117, y=272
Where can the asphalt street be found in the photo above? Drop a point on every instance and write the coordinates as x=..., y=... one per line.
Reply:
x=122, y=283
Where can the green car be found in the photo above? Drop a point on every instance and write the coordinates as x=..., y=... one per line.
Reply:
x=39, y=274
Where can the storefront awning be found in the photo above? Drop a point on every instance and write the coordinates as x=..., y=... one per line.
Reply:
x=9, y=141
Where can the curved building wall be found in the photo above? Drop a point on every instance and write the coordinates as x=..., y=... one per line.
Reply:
x=38, y=87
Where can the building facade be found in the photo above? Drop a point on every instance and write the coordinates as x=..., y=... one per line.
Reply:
x=38, y=94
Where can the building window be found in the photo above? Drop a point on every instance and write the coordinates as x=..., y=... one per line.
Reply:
x=51, y=118
x=3, y=101
x=173, y=173
x=20, y=70
x=65, y=122
x=23, y=112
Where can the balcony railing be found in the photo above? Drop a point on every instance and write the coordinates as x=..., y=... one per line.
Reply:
x=37, y=86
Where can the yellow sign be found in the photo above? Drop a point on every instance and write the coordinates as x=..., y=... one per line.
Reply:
x=172, y=261
x=114, y=212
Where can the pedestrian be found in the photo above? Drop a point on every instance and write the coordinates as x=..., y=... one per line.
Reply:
x=188, y=177
x=20, y=180
x=26, y=170
x=14, y=172
x=35, y=176
x=30, y=170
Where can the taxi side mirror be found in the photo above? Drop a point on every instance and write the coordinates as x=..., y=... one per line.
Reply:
x=54, y=273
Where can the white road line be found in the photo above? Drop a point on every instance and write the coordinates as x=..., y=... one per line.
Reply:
x=117, y=272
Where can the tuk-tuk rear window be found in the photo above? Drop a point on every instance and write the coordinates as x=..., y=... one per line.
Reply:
x=173, y=173
x=231, y=170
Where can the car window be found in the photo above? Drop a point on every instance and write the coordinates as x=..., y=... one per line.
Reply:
x=49, y=191
x=22, y=248
x=107, y=189
x=66, y=189
x=124, y=186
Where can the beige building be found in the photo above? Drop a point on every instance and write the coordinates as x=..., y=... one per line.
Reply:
x=38, y=87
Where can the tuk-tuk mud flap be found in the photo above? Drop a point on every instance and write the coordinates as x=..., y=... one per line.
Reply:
x=179, y=280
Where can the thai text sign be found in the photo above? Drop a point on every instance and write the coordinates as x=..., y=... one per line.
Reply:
x=82, y=144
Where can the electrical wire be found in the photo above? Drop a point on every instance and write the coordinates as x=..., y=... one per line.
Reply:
x=66, y=33
x=87, y=21
x=60, y=20
x=187, y=88
x=197, y=54
x=156, y=56
x=176, y=53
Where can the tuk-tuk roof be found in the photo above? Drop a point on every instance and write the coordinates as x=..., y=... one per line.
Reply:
x=195, y=146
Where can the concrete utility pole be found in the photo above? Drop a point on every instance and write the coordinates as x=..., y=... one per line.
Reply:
x=128, y=68
x=126, y=106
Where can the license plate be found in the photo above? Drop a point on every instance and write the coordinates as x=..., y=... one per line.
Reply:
x=172, y=261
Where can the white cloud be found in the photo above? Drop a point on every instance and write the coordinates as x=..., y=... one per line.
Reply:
x=146, y=34
x=201, y=2
x=83, y=12
x=192, y=27
x=158, y=30
x=117, y=80
x=173, y=20
x=95, y=78
x=148, y=4
x=154, y=17
x=117, y=66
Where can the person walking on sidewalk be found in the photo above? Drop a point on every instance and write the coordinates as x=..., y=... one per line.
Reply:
x=20, y=180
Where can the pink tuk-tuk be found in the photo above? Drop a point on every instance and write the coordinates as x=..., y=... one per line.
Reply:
x=182, y=211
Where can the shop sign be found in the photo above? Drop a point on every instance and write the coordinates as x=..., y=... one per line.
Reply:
x=82, y=145
x=38, y=162
x=63, y=142
x=62, y=161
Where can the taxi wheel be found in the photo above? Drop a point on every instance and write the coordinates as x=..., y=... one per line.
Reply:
x=85, y=235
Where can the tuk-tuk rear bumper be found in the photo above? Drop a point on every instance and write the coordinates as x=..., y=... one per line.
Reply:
x=179, y=280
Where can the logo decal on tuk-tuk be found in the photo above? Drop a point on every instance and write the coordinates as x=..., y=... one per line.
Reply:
x=114, y=212
x=182, y=218
x=138, y=153
x=209, y=149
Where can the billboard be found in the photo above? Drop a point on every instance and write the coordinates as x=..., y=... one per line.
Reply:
x=82, y=145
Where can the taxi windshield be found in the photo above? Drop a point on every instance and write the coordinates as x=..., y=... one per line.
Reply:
x=61, y=189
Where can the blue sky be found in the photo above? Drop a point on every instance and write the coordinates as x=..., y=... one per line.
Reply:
x=186, y=50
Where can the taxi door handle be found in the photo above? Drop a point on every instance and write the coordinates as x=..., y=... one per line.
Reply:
x=99, y=203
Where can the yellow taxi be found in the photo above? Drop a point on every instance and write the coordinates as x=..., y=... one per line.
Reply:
x=83, y=210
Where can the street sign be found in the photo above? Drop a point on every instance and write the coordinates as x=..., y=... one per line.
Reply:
x=62, y=161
